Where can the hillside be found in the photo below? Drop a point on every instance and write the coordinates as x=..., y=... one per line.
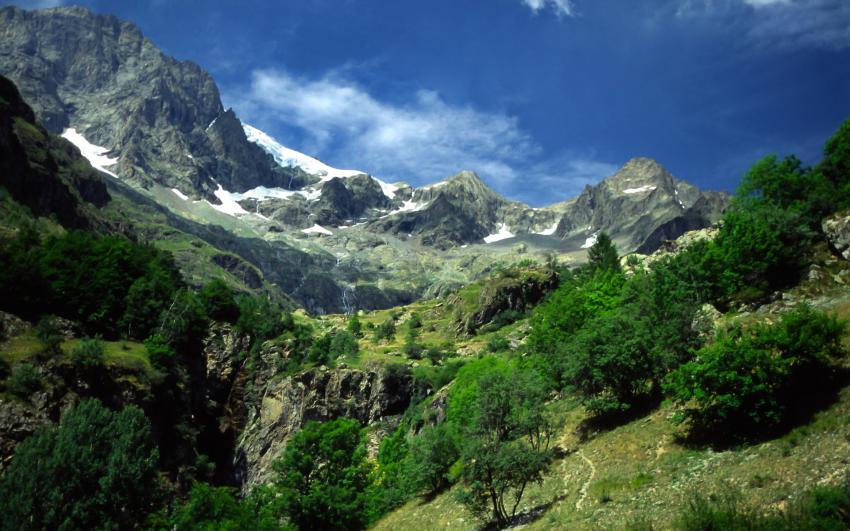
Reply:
x=203, y=328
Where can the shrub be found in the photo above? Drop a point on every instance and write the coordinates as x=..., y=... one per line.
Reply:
x=95, y=470
x=432, y=453
x=750, y=379
x=88, y=354
x=413, y=350
x=323, y=476
x=385, y=331
x=218, y=302
x=47, y=331
x=497, y=344
x=25, y=380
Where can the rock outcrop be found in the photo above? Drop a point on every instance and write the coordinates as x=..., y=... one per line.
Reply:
x=837, y=230
x=318, y=394
x=518, y=291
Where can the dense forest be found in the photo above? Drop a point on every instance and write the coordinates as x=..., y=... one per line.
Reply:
x=617, y=336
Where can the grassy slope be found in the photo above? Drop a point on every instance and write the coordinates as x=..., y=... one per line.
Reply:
x=642, y=471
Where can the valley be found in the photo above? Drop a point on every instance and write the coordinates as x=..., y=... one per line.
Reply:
x=202, y=328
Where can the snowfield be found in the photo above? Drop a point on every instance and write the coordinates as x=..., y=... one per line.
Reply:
x=96, y=155
x=503, y=234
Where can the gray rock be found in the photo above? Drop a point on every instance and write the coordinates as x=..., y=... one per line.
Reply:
x=316, y=394
x=837, y=230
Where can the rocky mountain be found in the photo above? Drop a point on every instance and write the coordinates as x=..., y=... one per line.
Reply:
x=158, y=125
x=640, y=206
x=159, y=117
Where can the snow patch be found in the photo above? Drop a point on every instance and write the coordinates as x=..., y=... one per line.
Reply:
x=229, y=203
x=388, y=189
x=96, y=155
x=589, y=242
x=406, y=206
x=435, y=185
x=503, y=234
x=550, y=231
x=317, y=229
x=179, y=194
x=289, y=158
x=261, y=193
x=645, y=188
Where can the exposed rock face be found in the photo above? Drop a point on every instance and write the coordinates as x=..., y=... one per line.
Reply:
x=17, y=422
x=519, y=293
x=641, y=206
x=224, y=351
x=102, y=77
x=317, y=394
x=837, y=230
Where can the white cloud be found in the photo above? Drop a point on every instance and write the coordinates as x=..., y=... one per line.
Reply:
x=779, y=24
x=561, y=7
x=421, y=140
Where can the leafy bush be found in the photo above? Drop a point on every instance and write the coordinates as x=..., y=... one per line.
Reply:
x=218, y=302
x=555, y=321
x=432, y=453
x=48, y=333
x=261, y=318
x=25, y=380
x=88, y=354
x=211, y=508
x=748, y=380
x=323, y=475
x=385, y=331
x=88, y=279
x=497, y=344
x=95, y=470
x=354, y=325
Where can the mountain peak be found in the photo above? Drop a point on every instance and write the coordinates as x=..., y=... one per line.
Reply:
x=640, y=175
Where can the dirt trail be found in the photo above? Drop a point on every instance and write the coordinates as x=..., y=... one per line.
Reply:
x=586, y=485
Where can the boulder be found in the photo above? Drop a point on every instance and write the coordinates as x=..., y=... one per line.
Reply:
x=837, y=231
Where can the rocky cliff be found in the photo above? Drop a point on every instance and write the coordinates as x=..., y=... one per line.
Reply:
x=316, y=394
x=157, y=116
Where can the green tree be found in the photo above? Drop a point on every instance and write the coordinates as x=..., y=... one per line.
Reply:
x=261, y=318
x=554, y=322
x=507, y=443
x=218, y=302
x=602, y=255
x=354, y=325
x=48, y=333
x=95, y=470
x=432, y=453
x=211, y=508
x=835, y=165
x=323, y=475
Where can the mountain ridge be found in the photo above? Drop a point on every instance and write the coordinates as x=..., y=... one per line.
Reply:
x=162, y=120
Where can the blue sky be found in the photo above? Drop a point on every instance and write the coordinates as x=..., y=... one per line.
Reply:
x=540, y=97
